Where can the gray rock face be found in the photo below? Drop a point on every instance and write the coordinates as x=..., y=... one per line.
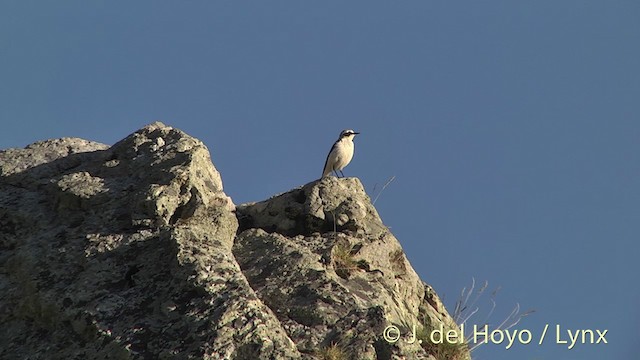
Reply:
x=323, y=261
x=134, y=252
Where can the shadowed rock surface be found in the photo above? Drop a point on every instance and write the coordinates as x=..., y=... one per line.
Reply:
x=134, y=252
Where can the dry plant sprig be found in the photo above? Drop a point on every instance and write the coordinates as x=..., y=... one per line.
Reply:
x=466, y=309
x=381, y=190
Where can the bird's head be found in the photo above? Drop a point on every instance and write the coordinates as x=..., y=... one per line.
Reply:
x=348, y=134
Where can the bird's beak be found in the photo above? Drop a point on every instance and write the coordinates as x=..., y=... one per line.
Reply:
x=356, y=133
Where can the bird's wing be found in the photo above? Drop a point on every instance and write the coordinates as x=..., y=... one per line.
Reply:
x=331, y=158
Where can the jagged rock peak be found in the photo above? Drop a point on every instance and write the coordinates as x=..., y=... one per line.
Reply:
x=329, y=204
x=134, y=251
x=322, y=260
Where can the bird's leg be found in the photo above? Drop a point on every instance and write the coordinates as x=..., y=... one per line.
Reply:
x=341, y=173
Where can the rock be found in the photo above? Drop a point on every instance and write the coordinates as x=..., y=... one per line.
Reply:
x=134, y=251
x=124, y=252
x=322, y=260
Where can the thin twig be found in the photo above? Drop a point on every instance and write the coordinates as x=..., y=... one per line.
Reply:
x=381, y=190
x=466, y=309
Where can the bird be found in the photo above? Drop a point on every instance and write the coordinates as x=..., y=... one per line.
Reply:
x=340, y=154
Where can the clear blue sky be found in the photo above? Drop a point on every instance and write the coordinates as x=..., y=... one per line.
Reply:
x=512, y=127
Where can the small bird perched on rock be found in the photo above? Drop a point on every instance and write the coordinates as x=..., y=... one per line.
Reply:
x=341, y=153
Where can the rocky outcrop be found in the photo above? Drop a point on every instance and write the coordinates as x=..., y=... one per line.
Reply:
x=134, y=252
